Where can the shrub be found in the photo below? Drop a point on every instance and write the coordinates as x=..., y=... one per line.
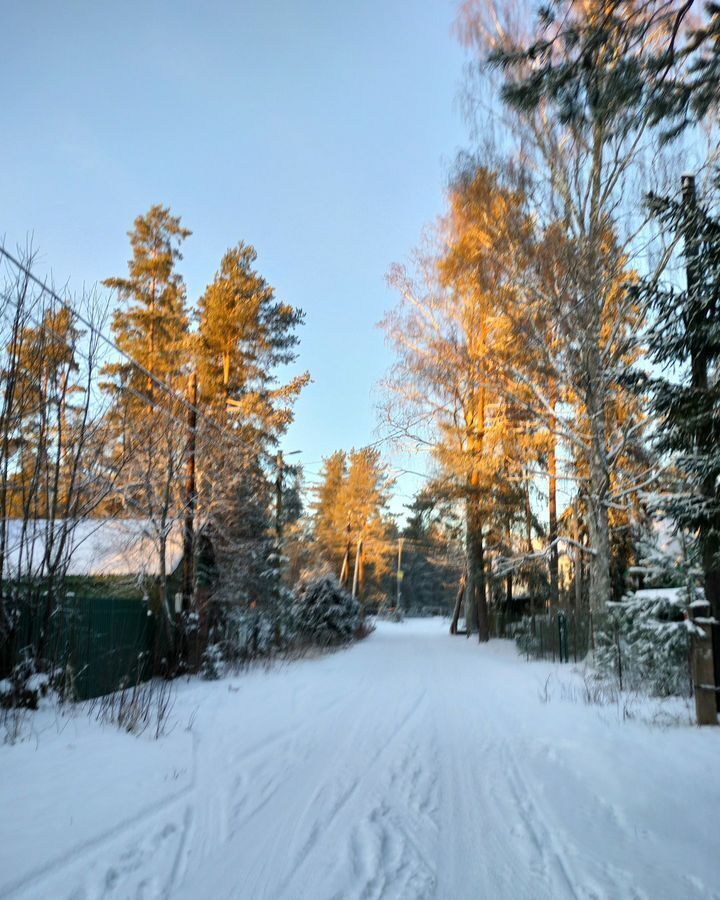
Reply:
x=324, y=613
x=644, y=641
x=526, y=640
x=25, y=685
x=238, y=635
x=212, y=663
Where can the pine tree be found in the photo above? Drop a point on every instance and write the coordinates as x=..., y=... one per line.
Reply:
x=330, y=531
x=575, y=94
x=350, y=517
x=682, y=78
x=245, y=335
x=433, y=558
x=490, y=246
x=152, y=328
x=451, y=331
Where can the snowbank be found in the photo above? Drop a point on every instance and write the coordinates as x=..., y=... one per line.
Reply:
x=413, y=765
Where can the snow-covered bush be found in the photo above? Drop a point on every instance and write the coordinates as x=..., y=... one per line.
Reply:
x=644, y=641
x=321, y=613
x=212, y=663
x=25, y=685
x=324, y=613
x=22, y=691
x=526, y=639
x=239, y=635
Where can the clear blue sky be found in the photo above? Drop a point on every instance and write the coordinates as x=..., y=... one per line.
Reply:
x=318, y=130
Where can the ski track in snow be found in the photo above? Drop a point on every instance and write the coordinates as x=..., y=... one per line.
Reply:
x=411, y=766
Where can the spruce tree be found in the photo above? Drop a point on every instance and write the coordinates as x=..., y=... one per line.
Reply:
x=684, y=342
x=683, y=77
x=245, y=334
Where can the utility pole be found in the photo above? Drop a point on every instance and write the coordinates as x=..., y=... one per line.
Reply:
x=190, y=495
x=398, y=602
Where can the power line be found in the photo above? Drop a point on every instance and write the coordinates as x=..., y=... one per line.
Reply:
x=139, y=395
x=164, y=386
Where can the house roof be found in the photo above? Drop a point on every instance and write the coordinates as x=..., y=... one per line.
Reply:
x=95, y=547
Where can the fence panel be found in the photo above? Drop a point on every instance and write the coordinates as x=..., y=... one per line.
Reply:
x=111, y=644
x=103, y=643
x=558, y=635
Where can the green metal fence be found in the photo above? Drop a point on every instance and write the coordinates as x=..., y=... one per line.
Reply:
x=559, y=635
x=101, y=643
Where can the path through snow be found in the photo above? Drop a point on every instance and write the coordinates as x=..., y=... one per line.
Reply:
x=411, y=766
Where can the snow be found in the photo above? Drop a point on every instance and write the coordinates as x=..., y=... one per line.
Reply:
x=672, y=594
x=413, y=765
x=97, y=546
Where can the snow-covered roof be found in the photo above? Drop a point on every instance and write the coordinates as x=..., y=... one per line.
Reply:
x=667, y=540
x=96, y=547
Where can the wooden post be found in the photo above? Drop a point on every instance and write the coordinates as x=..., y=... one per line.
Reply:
x=703, y=670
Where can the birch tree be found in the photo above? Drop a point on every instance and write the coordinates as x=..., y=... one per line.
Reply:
x=577, y=108
x=446, y=332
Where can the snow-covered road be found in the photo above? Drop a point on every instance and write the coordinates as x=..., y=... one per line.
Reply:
x=411, y=766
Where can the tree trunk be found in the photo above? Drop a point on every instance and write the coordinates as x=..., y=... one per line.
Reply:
x=711, y=571
x=458, y=604
x=528, y=515
x=578, y=563
x=162, y=554
x=553, y=529
x=598, y=520
x=190, y=497
x=476, y=610
x=599, y=528
x=358, y=578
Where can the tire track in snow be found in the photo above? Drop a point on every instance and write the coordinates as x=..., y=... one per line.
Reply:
x=90, y=855
x=615, y=883
x=115, y=851
x=230, y=801
x=137, y=868
x=339, y=795
x=392, y=847
x=85, y=849
x=537, y=829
